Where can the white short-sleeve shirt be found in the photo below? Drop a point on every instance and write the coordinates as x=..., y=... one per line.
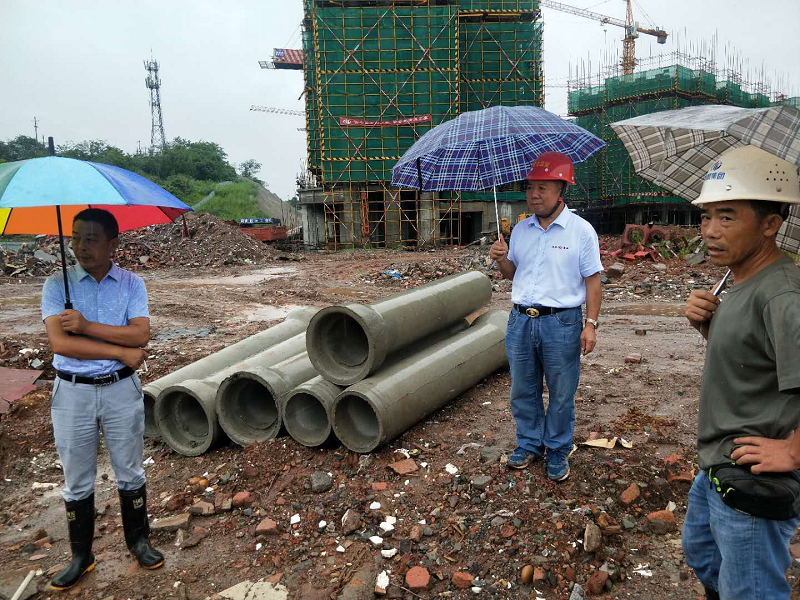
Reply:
x=552, y=265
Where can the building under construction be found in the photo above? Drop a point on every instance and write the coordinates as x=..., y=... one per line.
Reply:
x=608, y=191
x=378, y=75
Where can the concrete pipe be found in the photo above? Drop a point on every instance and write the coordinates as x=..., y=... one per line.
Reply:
x=307, y=408
x=305, y=411
x=295, y=322
x=248, y=401
x=382, y=407
x=347, y=343
x=186, y=412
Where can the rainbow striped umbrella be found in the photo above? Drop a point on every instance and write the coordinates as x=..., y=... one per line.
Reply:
x=36, y=195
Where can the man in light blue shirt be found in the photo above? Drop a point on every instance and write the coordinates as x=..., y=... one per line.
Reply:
x=97, y=348
x=553, y=260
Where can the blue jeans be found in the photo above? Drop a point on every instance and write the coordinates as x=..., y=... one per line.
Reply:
x=546, y=348
x=740, y=556
x=78, y=411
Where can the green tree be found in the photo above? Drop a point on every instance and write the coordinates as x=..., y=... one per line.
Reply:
x=21, y=147
x=250, y=168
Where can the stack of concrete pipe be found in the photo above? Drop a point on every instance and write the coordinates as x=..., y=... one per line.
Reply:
x=193, y=418
x=364, y=374
x=385, y=367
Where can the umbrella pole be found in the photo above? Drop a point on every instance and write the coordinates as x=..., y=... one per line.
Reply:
x=51, y=147
x=67, y=304
x=496, y=211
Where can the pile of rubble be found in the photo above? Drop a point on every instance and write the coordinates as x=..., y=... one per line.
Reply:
x=668, y=280
x=211, y=243
x=35, y=258
x=441, y=264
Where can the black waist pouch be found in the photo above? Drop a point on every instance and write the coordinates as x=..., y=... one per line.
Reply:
x=774, y=496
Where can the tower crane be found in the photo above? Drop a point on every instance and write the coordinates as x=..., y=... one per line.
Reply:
x=632, y=29
x=279, y=111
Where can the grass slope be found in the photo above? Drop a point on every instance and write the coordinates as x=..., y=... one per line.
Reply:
x=234, y=202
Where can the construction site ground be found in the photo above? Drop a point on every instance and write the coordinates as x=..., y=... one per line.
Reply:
x=470, y=522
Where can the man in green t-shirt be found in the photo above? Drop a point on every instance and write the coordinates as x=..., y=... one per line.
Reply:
x=750, y=394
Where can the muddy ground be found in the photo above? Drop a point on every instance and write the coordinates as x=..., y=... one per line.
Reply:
x=450, y=524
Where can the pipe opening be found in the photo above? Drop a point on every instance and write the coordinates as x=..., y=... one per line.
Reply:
x=150, y=425
x=344, y=340
x=306, y=419
x=251, y=405
x=356, y=423
x=185, y=420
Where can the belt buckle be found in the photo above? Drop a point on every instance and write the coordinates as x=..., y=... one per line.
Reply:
x=105, y=380
x=532, y=312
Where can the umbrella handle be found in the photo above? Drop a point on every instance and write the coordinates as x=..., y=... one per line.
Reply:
x=67, y=303
x=496, y=212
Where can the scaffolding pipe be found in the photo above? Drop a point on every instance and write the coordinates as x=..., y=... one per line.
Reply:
x=377, y=410
x=295, y=322
x=248, y=401
x=347, y=343
x=186, y=412
x=305, y=410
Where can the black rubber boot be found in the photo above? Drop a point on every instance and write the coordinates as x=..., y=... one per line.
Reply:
x=80, y=524
x=133, y=504
x=712, y=594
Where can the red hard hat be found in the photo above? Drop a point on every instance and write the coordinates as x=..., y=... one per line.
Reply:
x=552, y=166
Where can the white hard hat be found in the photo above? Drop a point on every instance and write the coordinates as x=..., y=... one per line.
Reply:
x=750, y=173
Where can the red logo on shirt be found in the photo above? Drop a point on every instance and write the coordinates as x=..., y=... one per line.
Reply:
x=560, y=247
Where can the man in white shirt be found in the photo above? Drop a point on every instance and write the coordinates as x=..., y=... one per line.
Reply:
x=554, y=263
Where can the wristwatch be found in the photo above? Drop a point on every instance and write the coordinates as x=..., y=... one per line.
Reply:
x=594, y=322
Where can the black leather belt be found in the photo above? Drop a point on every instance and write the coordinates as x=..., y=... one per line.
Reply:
x=106, y=379
x=538, y=311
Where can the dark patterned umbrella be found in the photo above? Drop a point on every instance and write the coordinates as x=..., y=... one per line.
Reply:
x=676, y=148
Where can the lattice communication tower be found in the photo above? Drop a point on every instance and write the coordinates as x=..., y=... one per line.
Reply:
x=153, y=83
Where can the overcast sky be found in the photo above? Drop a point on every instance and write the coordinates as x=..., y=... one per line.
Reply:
x=77, y=65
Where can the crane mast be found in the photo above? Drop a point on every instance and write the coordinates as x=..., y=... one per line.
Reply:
x=632, y=29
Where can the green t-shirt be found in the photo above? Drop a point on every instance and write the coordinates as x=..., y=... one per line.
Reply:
x=751, y=380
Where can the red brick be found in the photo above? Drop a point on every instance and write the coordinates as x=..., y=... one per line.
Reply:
x=673, y=459
x=462, y=580
x=569, y=574
x=404, y=467
x=662, y=521
x=418, y=578
x=416, y=533
x=630, y=494
x=538, y=574
x=243, y=499
x=597, y=582
x=508, y=531
x=267, y=526
x=379, y=486
x=682, y=476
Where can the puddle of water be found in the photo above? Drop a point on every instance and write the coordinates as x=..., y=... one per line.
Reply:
x=341, y=291
x=22, y=320
x=270, y=313
x=249, y=279
x=20, y=301
x=653, y=310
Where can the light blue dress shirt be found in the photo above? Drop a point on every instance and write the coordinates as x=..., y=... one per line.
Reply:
x=552, y=265
x=118, y=298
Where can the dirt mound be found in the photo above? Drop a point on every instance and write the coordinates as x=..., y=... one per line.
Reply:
x=211, y=243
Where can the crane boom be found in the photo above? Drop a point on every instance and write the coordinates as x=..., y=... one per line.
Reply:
x=632, y=29
x=280, y=111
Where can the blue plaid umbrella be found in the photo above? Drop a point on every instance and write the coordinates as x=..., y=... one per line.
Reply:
x=487, y=148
